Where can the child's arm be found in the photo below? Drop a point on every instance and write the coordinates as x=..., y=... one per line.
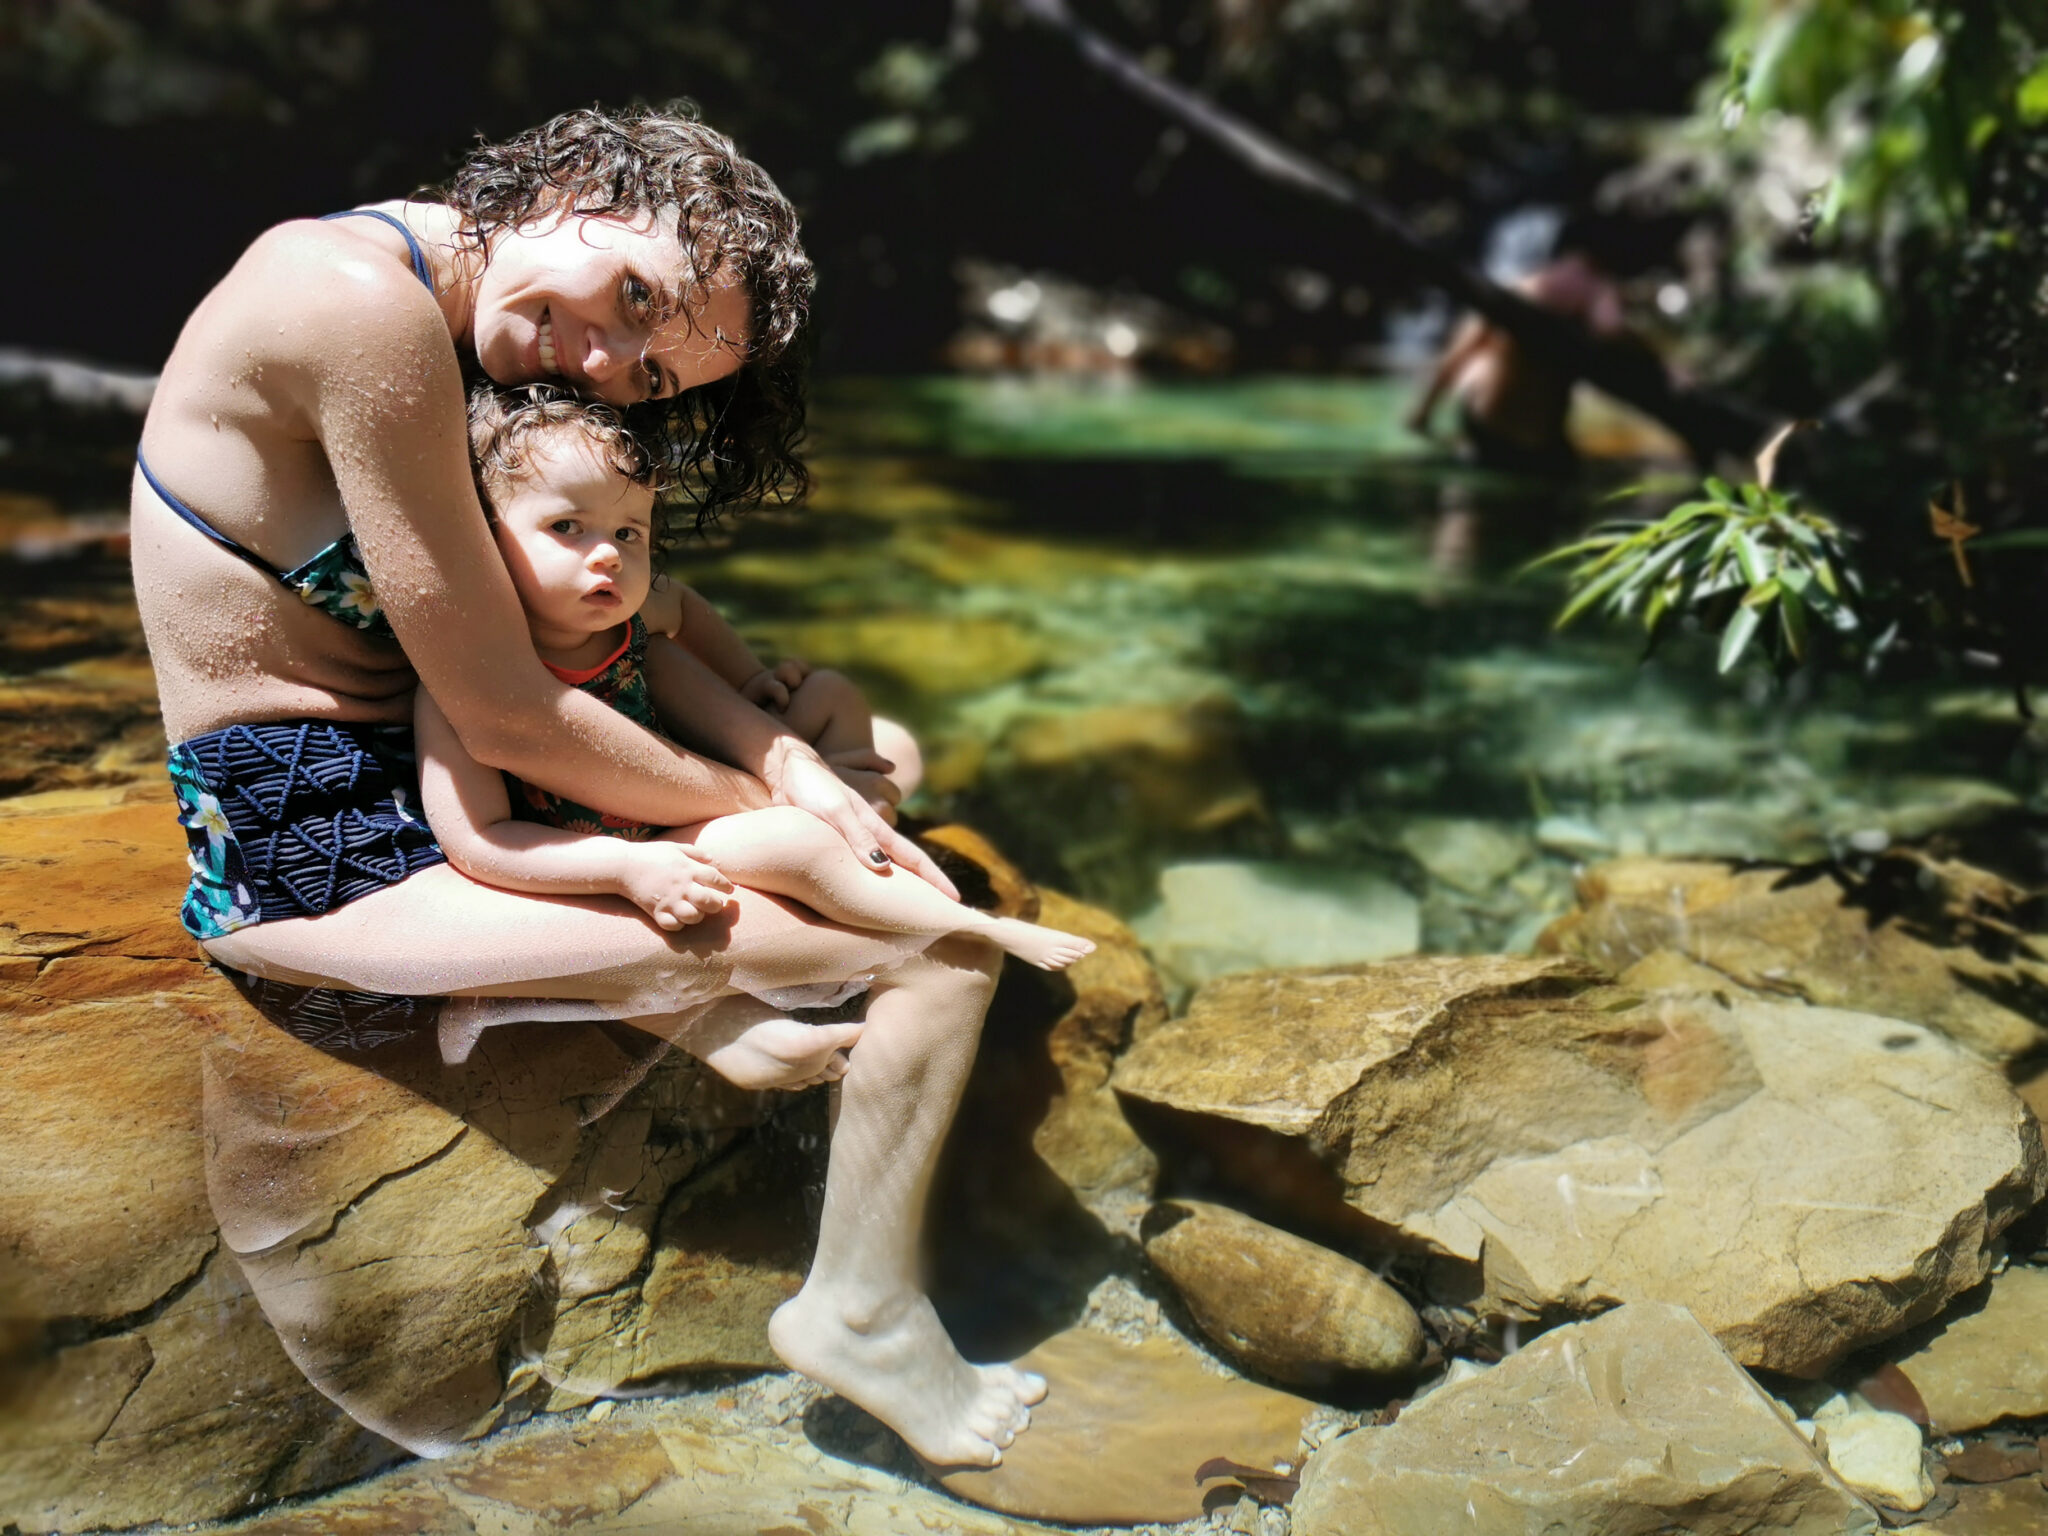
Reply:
x=681, y=613
x=471, y=814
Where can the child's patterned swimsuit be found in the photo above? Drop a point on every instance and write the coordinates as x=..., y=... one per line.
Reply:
x=620, y=680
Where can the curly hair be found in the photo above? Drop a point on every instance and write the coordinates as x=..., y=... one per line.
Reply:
x=504, y=423
x=734, y=442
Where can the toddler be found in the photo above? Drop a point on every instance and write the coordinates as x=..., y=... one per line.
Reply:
x=572, y=504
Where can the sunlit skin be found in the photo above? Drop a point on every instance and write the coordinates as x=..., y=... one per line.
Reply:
x=574, y=533
x=589, y=303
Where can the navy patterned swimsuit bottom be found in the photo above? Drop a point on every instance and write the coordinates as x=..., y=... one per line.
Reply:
x=296, y=818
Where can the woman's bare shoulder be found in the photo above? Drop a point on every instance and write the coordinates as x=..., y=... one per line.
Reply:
x=312, y=284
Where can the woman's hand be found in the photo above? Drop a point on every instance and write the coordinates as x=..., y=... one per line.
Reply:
x=672, y=883
x=866, y=772
x=797, y=776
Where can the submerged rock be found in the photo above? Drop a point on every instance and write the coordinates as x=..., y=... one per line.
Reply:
x=1125, y=1431
x=1634, y=1424
x=1987, y=1358
x=1281, y=1304
x=1939, y=943
x=1568, y=1142
x=1217, y=917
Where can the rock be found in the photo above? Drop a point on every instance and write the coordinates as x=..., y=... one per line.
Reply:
x=1986, y=1359
x=1918, y=939
x=1632, y=1424
x=1472, y=856
x=925, y=652
x=1117, y=998
x=1879, y=1455
x=1566, y=1141
x=2018, y=1508
x=221, y=1237
x=1284, y=1306
x=664, y=1466
x=1128, y=777
x=1220, y=917
x=1123, y=1432
x=1994, y=1460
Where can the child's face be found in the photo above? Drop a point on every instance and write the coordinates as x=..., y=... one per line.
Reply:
x=574, y=532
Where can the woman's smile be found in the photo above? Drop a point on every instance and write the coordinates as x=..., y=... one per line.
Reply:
x=550, y=364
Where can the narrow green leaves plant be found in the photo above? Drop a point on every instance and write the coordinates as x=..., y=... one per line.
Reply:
x=1749, y=564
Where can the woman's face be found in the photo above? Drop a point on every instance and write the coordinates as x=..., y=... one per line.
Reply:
x=596, y=304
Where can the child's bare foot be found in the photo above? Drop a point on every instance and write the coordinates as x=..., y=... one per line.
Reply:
x=1047, y=948
x=896, y=1361
x=776, y=1053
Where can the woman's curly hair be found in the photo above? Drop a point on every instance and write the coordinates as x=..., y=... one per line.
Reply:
x=504, y=425
x=734, y=442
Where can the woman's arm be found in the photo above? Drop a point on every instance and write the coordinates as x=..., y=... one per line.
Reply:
x=471, y=814
x=371, y=370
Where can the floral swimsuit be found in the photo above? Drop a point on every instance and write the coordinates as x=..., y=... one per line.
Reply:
x=620, y=680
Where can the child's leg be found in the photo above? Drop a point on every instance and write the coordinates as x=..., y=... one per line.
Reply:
x=896, y=743
x=792, y=853
x=829, y=712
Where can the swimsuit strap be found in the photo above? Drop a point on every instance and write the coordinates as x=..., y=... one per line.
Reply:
x=419, y=256
x=213, y=533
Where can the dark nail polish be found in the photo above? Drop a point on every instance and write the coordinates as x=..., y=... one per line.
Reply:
x=875, y=855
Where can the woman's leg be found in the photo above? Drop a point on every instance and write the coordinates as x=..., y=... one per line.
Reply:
x=862, y=1323
x=792, y=853
x=440, y=934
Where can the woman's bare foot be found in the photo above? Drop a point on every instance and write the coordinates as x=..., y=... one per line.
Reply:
x=896, y=1361
x=776, y=1053
x=1047, y=948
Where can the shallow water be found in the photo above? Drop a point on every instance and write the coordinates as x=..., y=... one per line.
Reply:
x=1143, y=625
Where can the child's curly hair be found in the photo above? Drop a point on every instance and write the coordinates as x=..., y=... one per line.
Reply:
x=730, y=443
x=504, y=424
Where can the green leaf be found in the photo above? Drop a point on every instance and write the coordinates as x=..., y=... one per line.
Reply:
x=1762, y=593
x=1736, y=637
x=1792, y=614
x=2032, y=97
x=1752, y=559
x=1590, y=594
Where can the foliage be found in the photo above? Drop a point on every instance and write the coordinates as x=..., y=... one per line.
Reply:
x=1750, y=564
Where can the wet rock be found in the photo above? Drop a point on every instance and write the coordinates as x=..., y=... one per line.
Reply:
x=1995, y=1459
x=230, y=1251
x=1567, y=1141
x=1936, y=942
x=1128, y=776
x=1117, y=998
x=652, y=1467
x=1880, y=1456
x=1637, y=1422
x=1987, y=1358
x=2018, y=1508
x=1284, y=1306
x=1471, y=856
x=927, y=653
x=1124, y=1430
x=1219, y=917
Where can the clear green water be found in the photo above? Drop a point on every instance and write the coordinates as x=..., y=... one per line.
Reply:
x=1143, y=624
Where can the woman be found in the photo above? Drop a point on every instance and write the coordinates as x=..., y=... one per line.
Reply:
x=308, y=544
